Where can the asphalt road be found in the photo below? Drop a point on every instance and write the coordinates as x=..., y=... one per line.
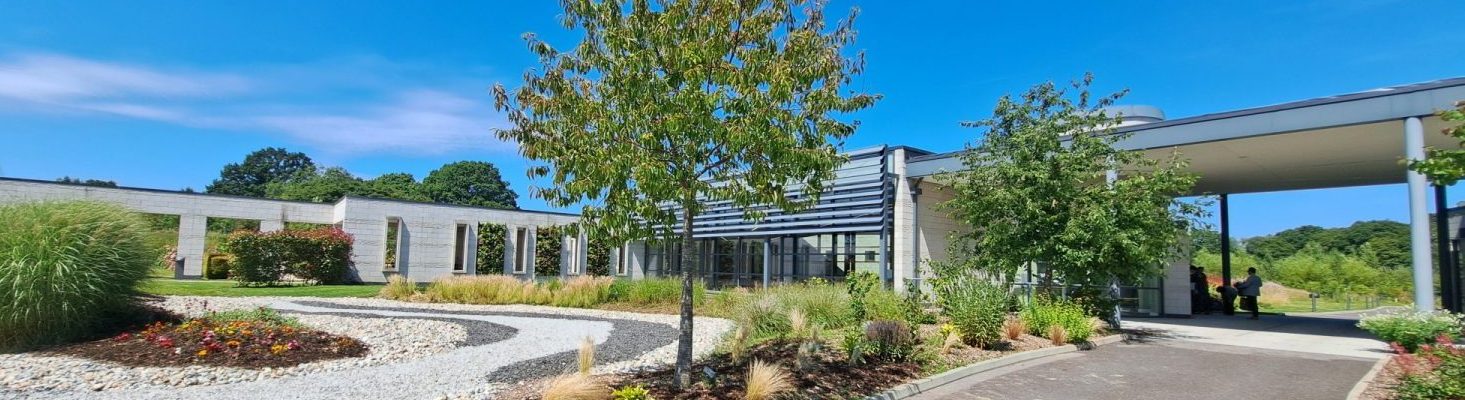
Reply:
x=1167, y=369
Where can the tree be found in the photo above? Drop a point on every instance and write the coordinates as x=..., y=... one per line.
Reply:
x=88, y=182
x=397, y=185
x=661, y=108
x=327, y=186
x=472, y=183
x=1446, y=166
x=258, y=170
x=1035, y=191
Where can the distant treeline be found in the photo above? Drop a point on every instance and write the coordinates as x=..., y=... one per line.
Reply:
x=1366, y=258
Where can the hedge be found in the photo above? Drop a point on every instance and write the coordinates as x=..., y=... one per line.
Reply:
x=317, y=255
x=491, y=248
x=217, y=267
x=548, y=242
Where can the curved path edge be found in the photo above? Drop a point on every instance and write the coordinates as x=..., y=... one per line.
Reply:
x=930, y=383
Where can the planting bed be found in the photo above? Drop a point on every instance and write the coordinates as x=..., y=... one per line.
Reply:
x=245, y=344
x=828, y=376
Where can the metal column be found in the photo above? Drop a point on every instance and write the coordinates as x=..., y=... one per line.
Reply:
x=1448, y=280
x=1225, y=241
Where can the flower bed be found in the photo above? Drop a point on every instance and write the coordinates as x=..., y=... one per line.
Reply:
x=249, y=339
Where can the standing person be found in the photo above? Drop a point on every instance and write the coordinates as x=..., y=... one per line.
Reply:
x=1228, y=299
x=1250, y=289
x=1202, y=296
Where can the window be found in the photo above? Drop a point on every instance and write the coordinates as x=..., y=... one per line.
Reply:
x=622, y=260
x=393, y=237
x=460, y=248
x=520, y=235
x=574, y=262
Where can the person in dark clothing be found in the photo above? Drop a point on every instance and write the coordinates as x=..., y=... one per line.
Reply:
x=1198, y=288
x=1228, y=299
x=1250, y=289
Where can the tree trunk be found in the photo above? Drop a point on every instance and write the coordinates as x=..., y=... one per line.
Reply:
x=684, y=341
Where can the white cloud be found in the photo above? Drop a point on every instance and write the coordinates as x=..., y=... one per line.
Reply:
x=50, y=78
x=408, y=118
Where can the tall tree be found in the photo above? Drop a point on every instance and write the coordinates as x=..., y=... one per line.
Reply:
x=327, y=186
x=665, y=106
x=1036, y=189
x=473, y=183
x=1446, y=166
x=258, y=170
x=397, y=185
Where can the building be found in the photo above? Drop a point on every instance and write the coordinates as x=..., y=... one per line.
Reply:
x=882, y=212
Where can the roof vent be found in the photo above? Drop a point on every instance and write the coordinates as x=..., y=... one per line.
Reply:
x=1136, y=114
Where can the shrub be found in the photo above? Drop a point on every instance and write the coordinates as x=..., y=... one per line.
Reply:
x=859, y=285
x=491, y=239
x=1057, y=334
x=890, y=340
x=1043, y=314
x=318, y=255
x=573, y=387
x=65, y=267
x=1013, y=328
x=398, y=288
x=631, y=392
x=765, y=310
x=976, y=307
x=766, y=381
x=597, y=258
x=1411, y=329
x=217, y=267
x=1435, y=372
x=548, y=241
x=262, y=316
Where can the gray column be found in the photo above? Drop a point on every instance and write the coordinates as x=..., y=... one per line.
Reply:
x=271, y=225
x=767, y=262
x=191, y=232
x=582, y=255
x=905, y=224
x=529, y=243
x=510, y=247
x=1418, y=219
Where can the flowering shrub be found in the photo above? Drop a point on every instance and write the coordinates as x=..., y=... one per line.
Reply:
x=1411, y=329
x=1433, y=372
x=318, y=255
x=254, y=338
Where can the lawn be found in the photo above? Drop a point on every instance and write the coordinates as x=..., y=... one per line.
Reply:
x=175, y=287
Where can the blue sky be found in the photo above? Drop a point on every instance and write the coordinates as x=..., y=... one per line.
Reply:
x=162, y=94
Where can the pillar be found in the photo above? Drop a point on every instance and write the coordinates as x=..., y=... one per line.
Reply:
x=271, y=225
x=1418, y=219
x=767, y=262
x=906, y=256
x=582, y=253
x=1448, y=280
x=191, y=232
x=1225, y=241
x=530, y=237
x=510, y=247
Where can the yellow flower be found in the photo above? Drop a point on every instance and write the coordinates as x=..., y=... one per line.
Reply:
x=203, y=353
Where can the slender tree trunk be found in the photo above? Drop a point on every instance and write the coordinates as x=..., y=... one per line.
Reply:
x=684, y=341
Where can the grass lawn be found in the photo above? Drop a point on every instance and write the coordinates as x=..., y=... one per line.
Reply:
x=174, y=287
x=1323, y=305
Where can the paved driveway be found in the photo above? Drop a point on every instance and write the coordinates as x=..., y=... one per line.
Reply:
x=1202, y=358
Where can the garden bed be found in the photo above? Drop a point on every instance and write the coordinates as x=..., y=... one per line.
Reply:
x=246, y=339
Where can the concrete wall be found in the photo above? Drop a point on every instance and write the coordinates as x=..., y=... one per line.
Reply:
x=934, y=226
x=428, y=231
x=428, y=236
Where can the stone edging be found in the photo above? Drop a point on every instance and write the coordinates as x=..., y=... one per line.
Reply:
x=932, y=382
x=1373, y=373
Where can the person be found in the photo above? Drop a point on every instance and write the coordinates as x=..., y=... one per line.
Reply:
x=1250, y=289
x=1228, y=299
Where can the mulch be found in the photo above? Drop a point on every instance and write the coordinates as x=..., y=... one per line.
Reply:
x=254, y=346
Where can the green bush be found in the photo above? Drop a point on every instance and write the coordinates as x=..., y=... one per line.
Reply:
x=491, y=239
x=1436, y=372
x=976, y=306
x=217, y=267
x=66, y=266
x=548, y=240
x=631, y=392
x=1043, y=313
x=890, y=340
x=655, y=291
x=1411, y=329
x=859, y=285
x=318, y=255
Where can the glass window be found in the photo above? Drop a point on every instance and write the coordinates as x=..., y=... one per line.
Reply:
x=389, y=246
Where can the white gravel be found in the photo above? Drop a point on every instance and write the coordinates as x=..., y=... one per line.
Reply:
x=411, y=358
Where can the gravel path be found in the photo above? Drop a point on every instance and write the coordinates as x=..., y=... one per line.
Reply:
x=493, y=346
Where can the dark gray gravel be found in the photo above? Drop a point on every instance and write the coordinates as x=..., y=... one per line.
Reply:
x=479, y=332
x=628, y=340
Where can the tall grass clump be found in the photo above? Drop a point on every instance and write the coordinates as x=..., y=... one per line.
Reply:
x=976, y=306
x=398, y=288
x=66, y=268
x=582, y=292
x=574, y=387
x=585, y=358
x=665, y=290
x=1042, y=314
x=766, y=381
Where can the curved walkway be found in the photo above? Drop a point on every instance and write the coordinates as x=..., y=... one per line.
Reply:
x=1211, y=357
x=520, y=345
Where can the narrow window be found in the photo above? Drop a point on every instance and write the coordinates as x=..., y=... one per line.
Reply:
x=392, y=236
x=574, y=244
x=460, y=248
x=621, y=260
x=520, y=235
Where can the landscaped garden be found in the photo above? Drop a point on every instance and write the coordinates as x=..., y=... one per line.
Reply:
x=1427, y=362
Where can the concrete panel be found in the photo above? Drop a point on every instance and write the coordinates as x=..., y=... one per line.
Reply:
x=191, y=233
